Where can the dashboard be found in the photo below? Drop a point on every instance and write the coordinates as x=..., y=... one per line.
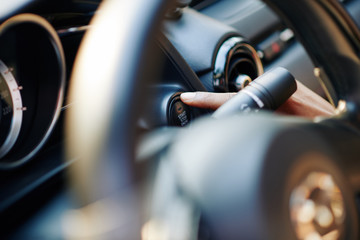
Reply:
x=210, y=45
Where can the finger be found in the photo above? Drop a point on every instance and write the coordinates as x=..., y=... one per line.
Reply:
x=306, y=103
x=205, y=99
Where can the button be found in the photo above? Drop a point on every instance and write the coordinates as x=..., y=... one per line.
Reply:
x=179, y=114
x=275, y=44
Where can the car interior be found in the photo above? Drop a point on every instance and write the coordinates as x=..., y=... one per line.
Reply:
x=95, y=142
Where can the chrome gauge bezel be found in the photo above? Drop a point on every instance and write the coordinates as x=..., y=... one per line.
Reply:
x=17, y=109
x=227, y=50
x=48, y=34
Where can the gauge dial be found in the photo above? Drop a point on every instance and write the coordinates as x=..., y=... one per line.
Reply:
x=11, y=109
x=28, y=43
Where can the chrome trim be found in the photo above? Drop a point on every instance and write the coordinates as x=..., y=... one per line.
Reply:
x=287, y=35
x=54, y=38
x=226, y=51
x=17, y=108
x=66, y=106
x=242, y=81
x=320, y=74
x=341, y=107
x=254, y=97
x=73, y=29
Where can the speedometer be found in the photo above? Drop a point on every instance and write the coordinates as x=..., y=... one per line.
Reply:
x=32, y=79
x=11, y=109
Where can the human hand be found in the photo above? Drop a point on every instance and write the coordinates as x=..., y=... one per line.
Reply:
x=303, y=102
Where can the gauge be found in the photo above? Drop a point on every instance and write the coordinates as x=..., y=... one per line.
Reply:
x=32, y=79
x=11, y=110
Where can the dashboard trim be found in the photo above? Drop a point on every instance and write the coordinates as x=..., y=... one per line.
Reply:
x=227, y=50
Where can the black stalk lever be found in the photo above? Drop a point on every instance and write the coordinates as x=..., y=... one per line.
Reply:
x=268, y=91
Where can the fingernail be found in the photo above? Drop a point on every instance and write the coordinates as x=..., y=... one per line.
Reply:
x=188, y=96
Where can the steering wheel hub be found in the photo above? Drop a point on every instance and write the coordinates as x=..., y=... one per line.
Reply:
x=317, y=207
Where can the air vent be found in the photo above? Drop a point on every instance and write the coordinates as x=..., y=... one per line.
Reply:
x=236, y=65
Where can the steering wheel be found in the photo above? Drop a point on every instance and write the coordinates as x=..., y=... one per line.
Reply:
x=245, y=187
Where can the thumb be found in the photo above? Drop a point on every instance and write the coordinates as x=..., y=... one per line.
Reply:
x=205, y=99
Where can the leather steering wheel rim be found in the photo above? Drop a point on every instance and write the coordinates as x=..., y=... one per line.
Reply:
x=331, y=39
x=105, y=86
